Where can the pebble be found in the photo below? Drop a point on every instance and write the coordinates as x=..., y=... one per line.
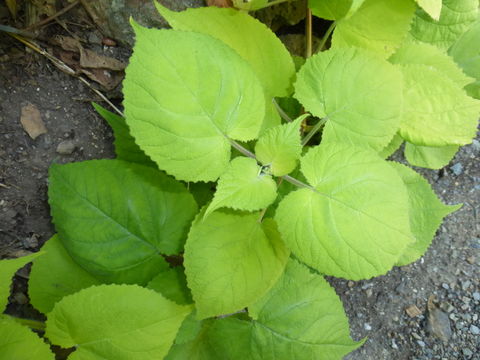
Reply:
x=445, y=286
x=367, y=326
x=421, y=343
x=467, y=352
x=457, y=168
x=439, y=324
x=476, y=296
x=66, y=147
x=474, y=330
x=466, y=285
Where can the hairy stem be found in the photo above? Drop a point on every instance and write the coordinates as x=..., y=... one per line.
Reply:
x=326, y=36
x=240, y=148
x=308, y=34
x=314, y=130
x=33, y=324
x=282, y=113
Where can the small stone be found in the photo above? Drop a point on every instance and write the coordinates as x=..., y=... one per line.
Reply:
x=66, y=147
x=394, y=345
x=20, y=298
x=413, y=311
x=350, y=284
x=421, y=343
x=367, y=326
x=476, y=296
x=466, y=285
x=369, y=292
x=439, y=324
x=457, y=169
x=474, y=330
x=445, y=286
x=476, y=145
x=471, y=260
x=467, y=352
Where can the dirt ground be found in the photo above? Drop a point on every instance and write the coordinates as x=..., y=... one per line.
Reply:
x=376, y=308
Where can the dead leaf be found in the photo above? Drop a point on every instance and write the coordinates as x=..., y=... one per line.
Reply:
x=413, y=311
x=32, y=121
x=12, y=6
x=220, y=3
x=108, y=79
x=90, y=59
x=66, y=43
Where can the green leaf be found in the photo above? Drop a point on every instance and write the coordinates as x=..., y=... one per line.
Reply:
x=353, y=222
x=243, y=186
x=426, y=54
x=115, y=322
x=437, y=111
x=280, y=147
x=430, y=157
x=231, y=260
x=394, y=145
x=125, y=146
x=250, y=38
x=334, y=9
x=455, y=18
x=379, y=25
x=8, y=268
x=55, y=275
x=182, y=104
x=116, y=218
x=17, y=342
x=426, y=213
x=431, y=7
x=172, y=284
x=301, y=318
x=466, y=53
x=189, y=329
x=360, y=94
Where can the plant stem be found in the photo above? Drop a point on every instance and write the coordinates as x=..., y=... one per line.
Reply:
x=326, y=36
x=314, y=130
x=308, y=34
x=282, y=113
x=252, y=155
x=33, y=324
x=241, y=148
x=296, y=182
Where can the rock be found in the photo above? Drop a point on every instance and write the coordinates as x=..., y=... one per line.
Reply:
x=32, y=121
x=474, y=330
x=112, y=16
x=466, y=285
x=438, y=323
x=467, y=352
x=476, y=296
x=66, y=147
x=421, y=343
x=457, y=169
x=367, y=326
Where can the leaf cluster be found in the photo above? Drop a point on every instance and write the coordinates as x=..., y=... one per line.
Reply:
x=210, y=234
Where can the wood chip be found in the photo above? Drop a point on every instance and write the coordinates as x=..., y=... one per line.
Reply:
x=32, y=121
x=413, y=311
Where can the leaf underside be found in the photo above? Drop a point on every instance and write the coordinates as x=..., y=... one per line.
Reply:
x=426, y=213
